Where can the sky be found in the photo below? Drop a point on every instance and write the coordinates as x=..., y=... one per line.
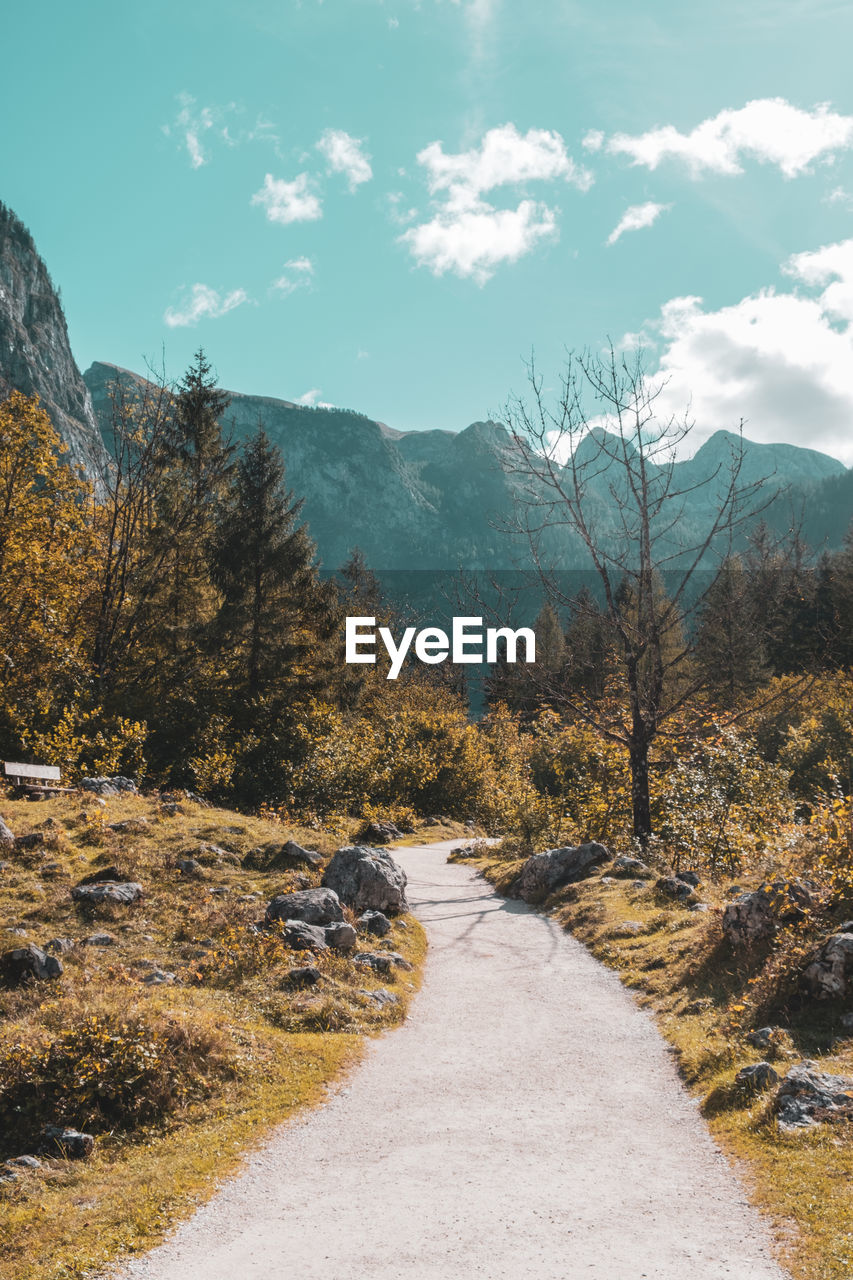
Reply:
x=388, y=205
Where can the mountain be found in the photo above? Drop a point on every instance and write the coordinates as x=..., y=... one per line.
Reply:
x=35, y=355
x=439, y=500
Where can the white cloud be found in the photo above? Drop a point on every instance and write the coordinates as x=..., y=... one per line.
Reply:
x=285, y=202
x=203, y=303
x=311, y=400
x=344, y=154
x=393, y=24
x=298, y=273
x=770, y=130
x=473, y=242
x=504, y=157
x=593, y=140
x=636, y=217
x=783, y=361
x=468, y=235
x=198, y=127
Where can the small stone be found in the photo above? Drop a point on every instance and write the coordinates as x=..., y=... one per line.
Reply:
x=220, y=890
x=100, y=940
x=59, y=946
x=26, y=964
x=130, y=826
x=70, y=1143
x=762, y=1038
x=341, y=936
x=300, y=936
x=375, y=922
x=307, y=976
x=756, y=1078
x=627, y=867
x=672, y=887
x=314, y=906
x=158, y=978
x=699, y=906
x=7, y=839
x=382, y=997
x=689, y=877
x=25, y=1162
x=108, y=891
x=639, y=884
x=384, y=962
x=628, y=927
x=190, y=868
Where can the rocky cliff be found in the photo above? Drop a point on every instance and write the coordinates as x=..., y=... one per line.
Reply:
x=35, y=356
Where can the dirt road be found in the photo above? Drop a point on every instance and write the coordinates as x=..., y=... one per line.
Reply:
x=526, y=1123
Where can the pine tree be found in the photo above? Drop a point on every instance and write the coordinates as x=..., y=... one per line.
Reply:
x=276, y=617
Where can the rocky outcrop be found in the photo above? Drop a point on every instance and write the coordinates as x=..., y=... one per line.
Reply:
x=544, y=873
x=35, y=355
x=367, y=879
x=120, y=893
x=808, y=1096
x=830, y=974
x=754, y=917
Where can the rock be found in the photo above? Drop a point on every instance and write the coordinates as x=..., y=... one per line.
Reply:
x=763, y=1038
x=158, y=978
x=292, y=852
x=25, y=1162
x=756, y=1077
x=171, y=808
x=367, y=879
x=314, y=906
x=27, y=964
x=545, y=872
x=114, y=786
x=211, y=854
x=71, y=1144
x=626, y=867
x=100, y=940
x=375, y=922
x=59, y=946
x=7, y=839
x=307, y=976
x=607, y=880
x=628, y=927
x=384, y=962
x=341, y=936
x=847, y=1021
x=671, y=887
x=639, y=884
x=381, y=833
x=382, y=997
x=699, y=906
x=107, y=891
x=808, y=1096
x=190, y=868
x=689, y=877
x=300, y=936
x=9, y=1175
x=754, y=917
x=130, y=826
x=830, y=974
x=220, y=890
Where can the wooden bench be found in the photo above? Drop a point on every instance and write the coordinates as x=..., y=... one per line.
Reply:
x=35, y=777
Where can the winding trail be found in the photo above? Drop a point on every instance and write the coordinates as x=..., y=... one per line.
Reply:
x=526, y=1123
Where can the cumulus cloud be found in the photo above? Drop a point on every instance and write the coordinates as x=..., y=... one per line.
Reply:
x=770, y=130
x=473, y=242
x=284, y=202
x=203, y=303
x=783, y=361
x=345, y=154
x=636, y=217
x=504, y=157
x=593, y=140
x=297, y=274
x=467, y=234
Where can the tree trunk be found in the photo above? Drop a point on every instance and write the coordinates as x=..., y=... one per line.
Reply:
x=640, y=800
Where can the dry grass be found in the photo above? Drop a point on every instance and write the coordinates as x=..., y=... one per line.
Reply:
x=706, y=999
x=236, y=1046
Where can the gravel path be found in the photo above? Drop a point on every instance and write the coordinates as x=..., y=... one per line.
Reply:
x=526, y=1123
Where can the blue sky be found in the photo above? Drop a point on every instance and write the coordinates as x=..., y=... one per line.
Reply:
x=387, y=204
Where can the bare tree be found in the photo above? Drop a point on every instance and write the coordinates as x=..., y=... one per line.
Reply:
x=599, y=470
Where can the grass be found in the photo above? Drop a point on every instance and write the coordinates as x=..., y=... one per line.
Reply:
x=706, y=998
x=228, y=1050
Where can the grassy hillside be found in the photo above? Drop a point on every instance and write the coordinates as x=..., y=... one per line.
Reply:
x=173, y=1078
